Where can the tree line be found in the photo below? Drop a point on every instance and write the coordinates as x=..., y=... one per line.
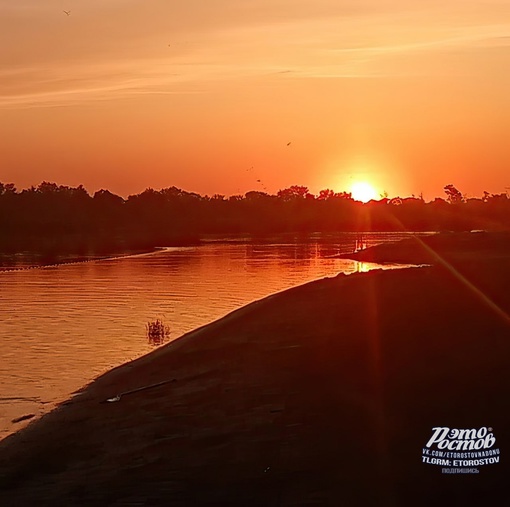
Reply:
x=67, y=218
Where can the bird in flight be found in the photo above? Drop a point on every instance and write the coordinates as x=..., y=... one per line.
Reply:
x=68, y=12
x=288, y=144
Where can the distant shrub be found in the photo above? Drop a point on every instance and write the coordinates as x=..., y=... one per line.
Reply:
x=157, y=332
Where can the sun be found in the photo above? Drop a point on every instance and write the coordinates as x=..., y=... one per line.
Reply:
x=363, y=191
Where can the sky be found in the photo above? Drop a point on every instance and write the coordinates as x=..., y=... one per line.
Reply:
x=206, y=95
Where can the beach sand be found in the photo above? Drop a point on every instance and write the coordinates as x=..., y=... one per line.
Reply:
x=323, y=395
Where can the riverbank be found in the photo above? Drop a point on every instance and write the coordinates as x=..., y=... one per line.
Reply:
x=47, y=253
x=324, y=394
x=30, y=260
x=442, y=248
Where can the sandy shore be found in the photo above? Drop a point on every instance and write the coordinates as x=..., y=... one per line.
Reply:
x=323, y=395
x=459, y=248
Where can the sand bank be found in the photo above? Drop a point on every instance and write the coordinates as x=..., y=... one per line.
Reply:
x=322, y=395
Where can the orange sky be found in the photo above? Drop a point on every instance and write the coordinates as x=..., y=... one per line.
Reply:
x=409, y=95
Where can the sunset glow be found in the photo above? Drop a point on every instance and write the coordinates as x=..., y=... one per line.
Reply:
x=363, y=191
x=120, y=96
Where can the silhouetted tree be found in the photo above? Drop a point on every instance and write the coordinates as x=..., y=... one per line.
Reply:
x=453, y=196
x=293, y=192
x=7, y=188
x=325, y=194
x=60, y=218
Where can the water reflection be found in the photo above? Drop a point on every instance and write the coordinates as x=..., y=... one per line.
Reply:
x=157, y=332
x=361, y=267
x=61, y=326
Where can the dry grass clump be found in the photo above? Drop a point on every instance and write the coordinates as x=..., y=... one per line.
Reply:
x=157, y=332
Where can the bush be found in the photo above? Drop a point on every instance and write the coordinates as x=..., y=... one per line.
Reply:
x=157, y=331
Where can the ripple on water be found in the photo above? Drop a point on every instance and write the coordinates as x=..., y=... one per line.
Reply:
x=62, y=326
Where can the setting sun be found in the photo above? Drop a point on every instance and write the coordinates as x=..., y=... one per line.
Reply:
x=363, y=191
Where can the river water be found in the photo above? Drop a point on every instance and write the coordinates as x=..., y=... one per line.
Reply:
x=61, y=326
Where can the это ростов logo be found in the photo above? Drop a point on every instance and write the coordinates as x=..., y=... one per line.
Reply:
x=453, y=447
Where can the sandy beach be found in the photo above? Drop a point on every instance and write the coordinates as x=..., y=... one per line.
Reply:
x=322, y=395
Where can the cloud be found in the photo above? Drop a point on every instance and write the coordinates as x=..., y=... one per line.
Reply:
x=53, y=86
x=121, y=48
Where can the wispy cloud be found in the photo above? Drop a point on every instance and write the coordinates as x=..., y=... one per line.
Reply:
x=49, y=87
x=107, y=54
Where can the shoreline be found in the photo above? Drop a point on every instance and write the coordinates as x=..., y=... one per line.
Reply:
x=456, y=247
x=34, y=414
x=68, y=257
x=322, y=393
x=60, y=391
x=71, y=259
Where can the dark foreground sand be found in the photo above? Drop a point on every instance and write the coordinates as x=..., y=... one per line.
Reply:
x=323, y=395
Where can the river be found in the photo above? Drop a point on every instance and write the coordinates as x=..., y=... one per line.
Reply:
x=61, y=326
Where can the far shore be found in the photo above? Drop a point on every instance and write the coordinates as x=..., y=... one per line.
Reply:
x=321, y=395
x=440, y=248
x=25, y=260
x=65, y=250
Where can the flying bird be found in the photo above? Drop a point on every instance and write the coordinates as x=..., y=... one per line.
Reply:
x=68, y=12
x=288, y=144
